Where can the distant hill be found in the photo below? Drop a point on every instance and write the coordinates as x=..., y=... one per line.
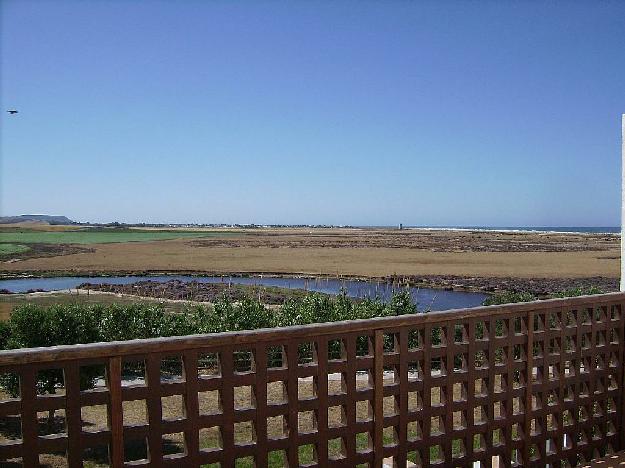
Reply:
x=35, y=218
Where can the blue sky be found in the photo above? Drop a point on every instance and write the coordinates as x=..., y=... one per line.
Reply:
x=367, y=113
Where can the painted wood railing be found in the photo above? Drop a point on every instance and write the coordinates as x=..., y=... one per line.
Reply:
x=539, y=383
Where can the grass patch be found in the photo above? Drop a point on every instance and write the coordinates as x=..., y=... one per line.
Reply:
x=9, y=249
x=99, y=236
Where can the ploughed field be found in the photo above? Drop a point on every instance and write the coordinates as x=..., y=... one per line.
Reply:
x=443, y=256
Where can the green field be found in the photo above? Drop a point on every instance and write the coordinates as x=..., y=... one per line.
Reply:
x=97, y=236
x=7, y=249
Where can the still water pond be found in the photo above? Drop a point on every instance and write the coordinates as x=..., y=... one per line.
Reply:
x=433, y=299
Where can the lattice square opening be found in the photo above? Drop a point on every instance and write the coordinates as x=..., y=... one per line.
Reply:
x=364, y=346
x=479, y=443
x=174, y=444
x=481, y=387
x=391, y=406
x=519, y=379
x=210, y=439
x=415, y=401
x=307, y=422
x=552, y=422
x=391, y=343
x=336, y=449
x=364, y=411
x=438, y=337
x=244, y=361
x=364, y=380
x=482, y=330
x=307, y=454
x=501, y=328
x=415, y=371
x=135, y=450
x=414, y=431
x=458, y=448
x=437, y=426
x=307, y=352
x=306, y=388
x=172, y=369
x=364, y=442
x=244, y=433
x=173, y=407
x=11, y=425
x=438, y=366
x=276, y=357
x=460, y=392
x=517, y=432
x=244, y=462
x=277, y=427
x=461, y=333
x=209, y=402
x=92, y=377
x=499, y=410
x=135, y=412
x=133, y=373
x=415, y=340
x=337, y=416
x=436, y=455
x=480, y=415
x=481, y=359
x=415, y=457
x=498, y=438
x=518, y=406
x=52, y=422
x=391, y=375
x=389, y=436
x=460, y=363
x=554, y=321
x=277, y=458
x=501, y=356
x=97, y=454
x=337, y=350
x=519, y=326
x=50, y=382
x=459, y=420
x=208, y=365
x=438, y=396
x=501, y=383
x=337, y=384
x=244, y=397
x=94, y=418
x=276, y=392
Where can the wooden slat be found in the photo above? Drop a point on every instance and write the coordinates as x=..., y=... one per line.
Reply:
x=154, y=409
x=115, y=411
x=73, y=419
x=30, y=454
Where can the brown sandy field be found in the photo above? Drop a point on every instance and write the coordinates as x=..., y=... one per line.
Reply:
x=350, y=252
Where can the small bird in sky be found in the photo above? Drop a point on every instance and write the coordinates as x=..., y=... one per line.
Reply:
x=12, y=111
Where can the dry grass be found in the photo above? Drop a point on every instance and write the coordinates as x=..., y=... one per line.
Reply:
x=300, y=252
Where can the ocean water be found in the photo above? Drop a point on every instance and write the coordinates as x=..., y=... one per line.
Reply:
x=563, y=229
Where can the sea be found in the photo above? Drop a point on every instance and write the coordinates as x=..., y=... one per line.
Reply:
x=545, y=229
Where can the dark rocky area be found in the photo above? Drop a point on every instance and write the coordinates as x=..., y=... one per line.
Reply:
x=196, y=291
x=540, y=287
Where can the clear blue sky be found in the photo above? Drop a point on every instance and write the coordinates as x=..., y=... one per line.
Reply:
x=425, y=113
